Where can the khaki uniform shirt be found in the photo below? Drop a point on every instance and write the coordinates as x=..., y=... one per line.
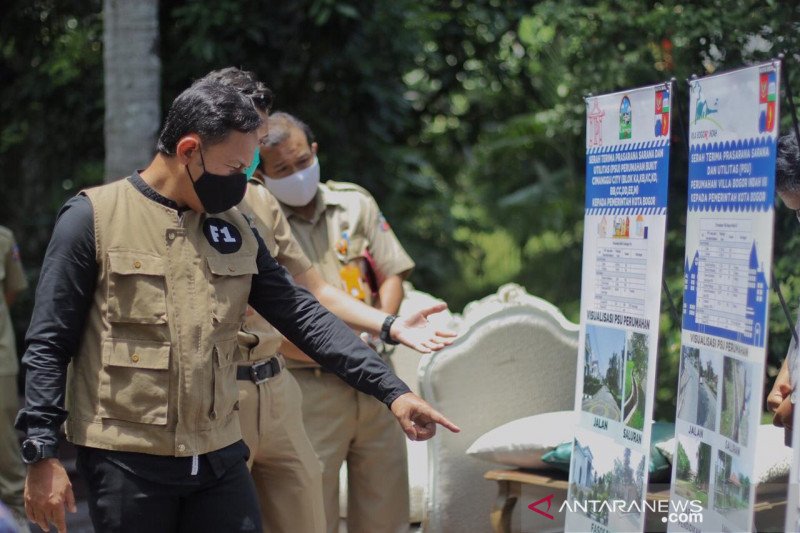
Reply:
x=347, y=223
x=258, y=338
x=12, y=278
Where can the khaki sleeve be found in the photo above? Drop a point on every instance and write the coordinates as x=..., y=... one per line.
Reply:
x=271, y=221
x=389, y=255
x=15, y=280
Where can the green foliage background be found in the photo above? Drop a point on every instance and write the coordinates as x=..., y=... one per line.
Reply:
x=465, y=118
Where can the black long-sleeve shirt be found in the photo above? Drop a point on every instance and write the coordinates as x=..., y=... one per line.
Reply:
x=66, y=287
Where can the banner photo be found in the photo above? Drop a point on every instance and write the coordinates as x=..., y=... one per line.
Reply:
x=733, y=127
x=627, y=168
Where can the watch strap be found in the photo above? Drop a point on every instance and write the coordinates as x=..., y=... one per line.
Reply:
x=386, y=330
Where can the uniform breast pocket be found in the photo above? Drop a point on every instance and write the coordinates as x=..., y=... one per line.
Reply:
x=226, y=390
x=230, y=279
x=355, y=247
x=134, y=384
x=136, y=288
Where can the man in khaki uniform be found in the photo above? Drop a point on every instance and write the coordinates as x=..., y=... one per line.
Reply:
x=12, y=471
x=342, y=231
x=285, y=468
x=142, y=294
x=286, y=472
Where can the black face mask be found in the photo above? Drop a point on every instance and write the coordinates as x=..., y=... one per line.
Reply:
x=216, y=192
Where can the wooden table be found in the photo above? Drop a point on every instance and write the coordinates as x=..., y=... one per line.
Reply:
x=510, y=485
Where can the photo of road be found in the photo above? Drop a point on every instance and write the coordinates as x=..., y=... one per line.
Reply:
x=697, y=387
x=603, y=371
x=736, y=404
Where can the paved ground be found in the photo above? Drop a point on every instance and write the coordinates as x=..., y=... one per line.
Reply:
x=603, y=404
x=696, y=403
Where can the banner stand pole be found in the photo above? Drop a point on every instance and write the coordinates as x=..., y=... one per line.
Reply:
x=684, y=132
x=674, y=90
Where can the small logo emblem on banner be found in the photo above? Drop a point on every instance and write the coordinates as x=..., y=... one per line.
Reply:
x=625, y=119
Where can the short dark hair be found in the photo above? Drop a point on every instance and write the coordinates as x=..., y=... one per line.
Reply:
x=211, y=110
x=245, y=82
x=280, y=124
x=787, y=164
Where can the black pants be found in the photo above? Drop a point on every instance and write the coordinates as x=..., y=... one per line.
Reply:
x=123, y=502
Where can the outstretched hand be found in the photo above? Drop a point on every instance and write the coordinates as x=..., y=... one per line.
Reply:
x=416, y=332
x=417, y=418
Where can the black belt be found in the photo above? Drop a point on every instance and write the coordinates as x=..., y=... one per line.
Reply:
x=259, y=372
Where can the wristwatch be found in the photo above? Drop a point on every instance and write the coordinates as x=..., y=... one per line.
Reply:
x=34, y=450
x=386, y=328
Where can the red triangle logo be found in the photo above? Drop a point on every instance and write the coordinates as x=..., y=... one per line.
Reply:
x=549, y=500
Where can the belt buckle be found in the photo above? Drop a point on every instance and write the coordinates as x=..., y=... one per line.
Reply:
x=254, y=374
x=276, y=366
x=272, y=363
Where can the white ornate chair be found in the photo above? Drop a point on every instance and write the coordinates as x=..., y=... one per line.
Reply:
x=515, y=357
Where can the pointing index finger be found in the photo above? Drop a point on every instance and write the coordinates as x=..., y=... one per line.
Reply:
x=442, y=421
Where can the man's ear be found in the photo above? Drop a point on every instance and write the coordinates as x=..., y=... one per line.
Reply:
x=186, y=147
x=314, y=147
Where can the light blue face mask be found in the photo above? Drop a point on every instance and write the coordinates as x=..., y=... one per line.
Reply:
x=249, y=171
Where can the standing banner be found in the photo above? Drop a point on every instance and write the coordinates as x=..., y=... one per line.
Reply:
x=627, y=168
x=793, y=497
x=732, y=139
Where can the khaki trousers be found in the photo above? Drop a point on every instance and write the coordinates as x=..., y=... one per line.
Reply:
x=12, y=471
x=285, y=469
x=346, y=425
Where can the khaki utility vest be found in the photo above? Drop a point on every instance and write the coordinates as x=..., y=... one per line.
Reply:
x=155, y=371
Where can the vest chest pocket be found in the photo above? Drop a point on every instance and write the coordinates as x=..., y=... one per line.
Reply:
x=231, y=277
x=136, y=288
x=226, y=390
x=134, y=383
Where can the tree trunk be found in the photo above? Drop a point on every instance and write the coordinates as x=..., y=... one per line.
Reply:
x=132, y=84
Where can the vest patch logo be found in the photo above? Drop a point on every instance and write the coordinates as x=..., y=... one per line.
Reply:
x=224, y=237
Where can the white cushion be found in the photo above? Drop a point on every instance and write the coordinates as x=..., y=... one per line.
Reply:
x=773, y=457
x=667, y=449
x=522, y=442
